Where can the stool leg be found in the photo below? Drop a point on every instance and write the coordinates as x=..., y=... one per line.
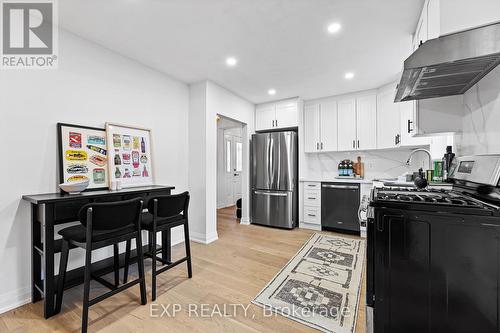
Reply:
x=86, y=289
x=63, y=264
x=116, y=264
x=188, y=249
x=140, y=264
x=152, y=243
x=127, y=261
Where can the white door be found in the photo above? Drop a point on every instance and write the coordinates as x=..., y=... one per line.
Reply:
x=286, y=114
x=346, y=109
x=366, y=113
x=328, y=126
x=311, y=128
x=265, y=116
x=237, y=167
x=388, y=119
x=233, y=167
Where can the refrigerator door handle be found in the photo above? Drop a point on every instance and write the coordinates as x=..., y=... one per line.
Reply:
x=271, y=162
x=269, y=143
x=272, y=194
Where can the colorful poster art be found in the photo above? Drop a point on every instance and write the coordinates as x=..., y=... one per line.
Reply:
x=129, y=155
x=83, y=155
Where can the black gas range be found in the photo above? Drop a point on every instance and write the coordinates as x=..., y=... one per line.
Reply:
x=455, y=201
x=433, y=255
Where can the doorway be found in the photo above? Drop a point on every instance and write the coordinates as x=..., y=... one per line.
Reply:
x=229, y=162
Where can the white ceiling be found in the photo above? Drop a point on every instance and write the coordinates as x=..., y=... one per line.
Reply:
x=279, y=44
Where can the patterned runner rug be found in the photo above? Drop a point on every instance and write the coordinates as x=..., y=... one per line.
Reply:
x=320, y=286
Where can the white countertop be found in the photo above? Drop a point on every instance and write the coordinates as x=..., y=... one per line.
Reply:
x=366, y=181
x=336, y=180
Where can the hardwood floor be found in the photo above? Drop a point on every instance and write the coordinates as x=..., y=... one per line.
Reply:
x=231, y=270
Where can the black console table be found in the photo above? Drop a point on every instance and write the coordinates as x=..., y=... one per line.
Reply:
x=48, y=210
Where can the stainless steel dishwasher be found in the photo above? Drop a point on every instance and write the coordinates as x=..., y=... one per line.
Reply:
x=339, y=207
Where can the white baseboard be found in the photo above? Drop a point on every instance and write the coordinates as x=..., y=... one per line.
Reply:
x=245, y=220
x=202, y=238
x=309, y=226
x=15, y=298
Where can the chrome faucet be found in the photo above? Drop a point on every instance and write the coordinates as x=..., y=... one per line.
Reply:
x=408, y=162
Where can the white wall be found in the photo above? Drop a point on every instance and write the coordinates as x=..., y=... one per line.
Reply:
x=223, y=102
x=197, y=146
x=91, y=86
x=207, y=100
x=481, y=122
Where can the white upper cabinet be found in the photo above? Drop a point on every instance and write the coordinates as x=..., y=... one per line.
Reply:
x=311, y=128
x=265, y=115
x=366, y=120
x=328, y=126
x=320, y=127
x=275, y=115
x=346, y=109
x=287, y=113
x=388, y=119
x=407, y=113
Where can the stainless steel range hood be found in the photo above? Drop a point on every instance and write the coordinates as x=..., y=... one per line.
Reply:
x=450, y=65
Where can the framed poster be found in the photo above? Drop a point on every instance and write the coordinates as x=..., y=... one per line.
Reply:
x=130, y=159
x=83, y=155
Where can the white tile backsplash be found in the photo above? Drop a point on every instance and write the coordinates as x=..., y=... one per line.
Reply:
x=378, y=164
x=481, y=123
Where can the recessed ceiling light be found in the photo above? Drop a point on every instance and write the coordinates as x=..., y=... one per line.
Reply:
x=349, y=75
x=231, y=61
x=334, y=28
x=271, y=91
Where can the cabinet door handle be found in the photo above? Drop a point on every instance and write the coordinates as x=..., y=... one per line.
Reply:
x=321, y=145
x=311, y=198
x=353, y=143
x=276, y=122
x=358, y=143
x=273, y=123
x=409, y=126
x=317, y=145
x=311, y=215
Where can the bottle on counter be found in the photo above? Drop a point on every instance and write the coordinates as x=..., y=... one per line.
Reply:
x=446, y=162
x=342, y=169
x=351, y=169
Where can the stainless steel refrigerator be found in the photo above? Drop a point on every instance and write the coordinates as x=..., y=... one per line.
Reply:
x=274, y=198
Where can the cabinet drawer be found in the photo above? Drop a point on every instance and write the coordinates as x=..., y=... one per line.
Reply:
x=312, y=198
x=312, y=185
x=312, y=215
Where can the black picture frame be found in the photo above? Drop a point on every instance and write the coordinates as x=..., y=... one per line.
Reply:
x=61, y=153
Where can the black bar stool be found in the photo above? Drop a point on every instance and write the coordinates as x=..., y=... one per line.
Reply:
x=103, y=224
x=164, y=213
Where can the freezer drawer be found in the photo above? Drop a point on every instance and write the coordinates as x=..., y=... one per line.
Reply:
x=273, y=208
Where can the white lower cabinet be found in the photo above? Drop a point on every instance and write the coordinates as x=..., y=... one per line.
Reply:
x=311, y=200
x=312, y=215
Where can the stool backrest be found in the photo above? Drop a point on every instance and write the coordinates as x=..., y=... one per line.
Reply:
x=170, y=205
x=112, y=215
